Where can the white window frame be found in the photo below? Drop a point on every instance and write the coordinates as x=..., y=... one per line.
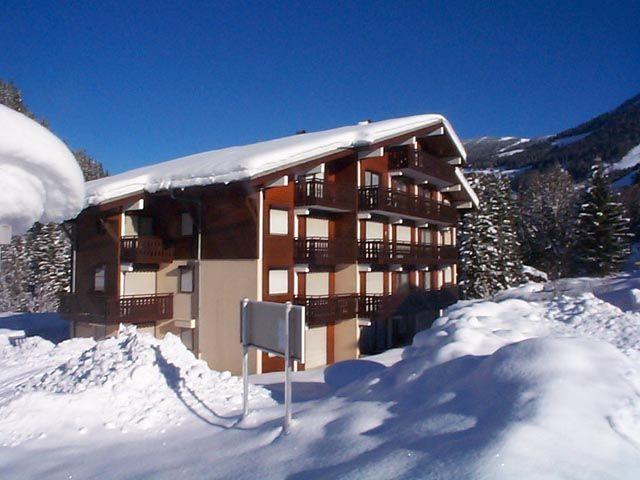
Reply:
x=275, y=221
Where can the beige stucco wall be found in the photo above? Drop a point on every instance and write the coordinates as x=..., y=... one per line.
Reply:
x=185, y=305
x=346, y=340
x=346, y=333
x=226, y=283
x=316, y=347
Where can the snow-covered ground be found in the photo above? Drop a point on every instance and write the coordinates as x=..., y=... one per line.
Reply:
x=542, y=381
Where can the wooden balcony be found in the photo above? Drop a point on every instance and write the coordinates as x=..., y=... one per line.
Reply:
x=380, y=252
x=324, y=195
x=394, y=203
x=323, y=251
x=113, y=310
x=371, y=305
x=145, y=250
x=421, y=166
x=328, y=309
x=447, y=254
x=410, y=301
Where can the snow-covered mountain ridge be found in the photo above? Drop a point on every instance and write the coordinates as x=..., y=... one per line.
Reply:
x=612, y=136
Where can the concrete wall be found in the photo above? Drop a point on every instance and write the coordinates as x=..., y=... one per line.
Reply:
x=346, y=333
x=226, y=282
x=346, y=340
x=316, y=340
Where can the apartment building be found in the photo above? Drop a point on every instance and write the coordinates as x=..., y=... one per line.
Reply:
x=357, y=223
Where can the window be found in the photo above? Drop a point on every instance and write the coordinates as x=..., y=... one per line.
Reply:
x=400, y=185
x=278, y=222
x=426, y=280
x=278, y=282
x=401, y=279
x=448, y=275
x=424, y=236
x=371, y=179
x=99, y=279
x=186, y=224
x=186, y=280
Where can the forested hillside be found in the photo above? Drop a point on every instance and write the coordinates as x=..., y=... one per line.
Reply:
x=609, y=136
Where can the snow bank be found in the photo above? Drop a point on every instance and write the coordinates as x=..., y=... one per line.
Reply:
x=40, y=180
x=128, y=382
x=243, y=162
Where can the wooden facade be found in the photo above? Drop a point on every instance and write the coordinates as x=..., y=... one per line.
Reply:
x=366, y=237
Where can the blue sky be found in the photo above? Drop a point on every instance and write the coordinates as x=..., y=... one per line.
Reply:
x=138, y=82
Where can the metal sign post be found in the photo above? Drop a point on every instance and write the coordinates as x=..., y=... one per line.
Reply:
x=287, y=371
x=278, y=329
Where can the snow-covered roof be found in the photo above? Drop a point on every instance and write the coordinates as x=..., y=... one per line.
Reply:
x=258, y=159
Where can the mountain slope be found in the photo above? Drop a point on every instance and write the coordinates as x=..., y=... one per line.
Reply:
x=611, y=136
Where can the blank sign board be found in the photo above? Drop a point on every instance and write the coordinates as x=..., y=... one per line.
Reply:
x=264, y=328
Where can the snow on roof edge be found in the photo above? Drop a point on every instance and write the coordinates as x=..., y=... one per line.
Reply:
x=258, y=159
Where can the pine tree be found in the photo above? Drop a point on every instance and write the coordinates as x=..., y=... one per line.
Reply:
x=547, y=220
x=490, y=257
x=602, y=233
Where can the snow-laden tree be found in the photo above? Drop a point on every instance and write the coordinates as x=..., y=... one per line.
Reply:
x=602, y=231
x=35, y=267
x=547, y=220
x=490, y=256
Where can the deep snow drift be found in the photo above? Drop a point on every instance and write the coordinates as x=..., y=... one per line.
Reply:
x=540, y=382
x=129, y=382
x=40, y=180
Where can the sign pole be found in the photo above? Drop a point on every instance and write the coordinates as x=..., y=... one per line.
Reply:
x=287, y=372
x=245, y=359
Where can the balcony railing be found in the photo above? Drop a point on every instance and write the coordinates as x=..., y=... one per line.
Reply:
x=447, y=254
x=114, y=310
x=380, y=252
x=371, y=305
x=405, y=204
x=328, y=309
x=145, y=250
x=324, y=251
x=417, y=160
x=325, y=194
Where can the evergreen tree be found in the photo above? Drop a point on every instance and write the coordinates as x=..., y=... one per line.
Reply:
x=602, y=233
x=547, y=220
x=490, y=257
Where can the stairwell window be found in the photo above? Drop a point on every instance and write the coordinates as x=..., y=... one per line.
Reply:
x=278, y=221
x=186, y=280
x=99, y=276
